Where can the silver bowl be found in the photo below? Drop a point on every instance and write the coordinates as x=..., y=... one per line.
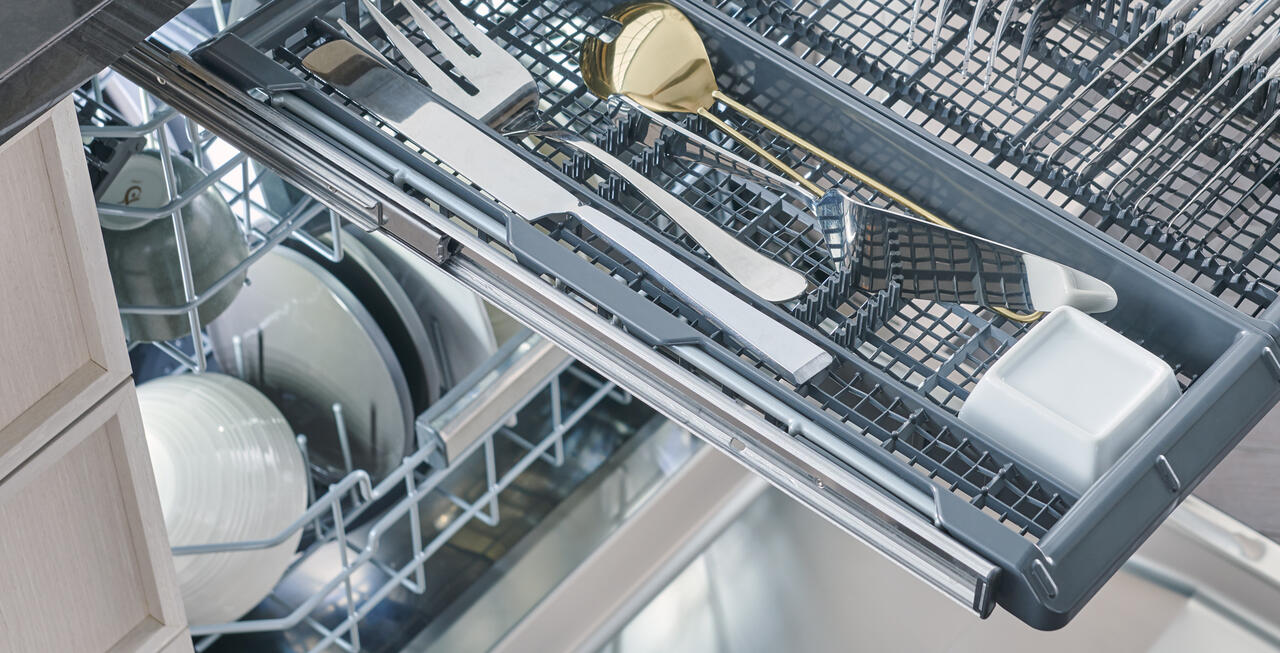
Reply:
x=143, y=256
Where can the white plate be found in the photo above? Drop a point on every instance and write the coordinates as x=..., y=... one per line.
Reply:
x=227, y=469
x=368, y=278
x=445, y=306
x=308, y=344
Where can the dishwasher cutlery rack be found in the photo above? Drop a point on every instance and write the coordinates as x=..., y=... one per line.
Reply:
x=1224, y=243
x=1031, y=504
x=903, y=368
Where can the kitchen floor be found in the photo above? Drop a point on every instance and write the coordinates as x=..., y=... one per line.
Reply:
x=1245, y=485
x=782, y=579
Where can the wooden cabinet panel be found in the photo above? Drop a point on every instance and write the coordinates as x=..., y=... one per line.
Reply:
x=84, y=559
x=179, y=644
x=61, y=343
x=35, y=263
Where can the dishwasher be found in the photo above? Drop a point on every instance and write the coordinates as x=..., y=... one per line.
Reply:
x=626, y=413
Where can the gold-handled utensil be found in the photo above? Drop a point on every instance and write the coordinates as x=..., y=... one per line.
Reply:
x=658, y=61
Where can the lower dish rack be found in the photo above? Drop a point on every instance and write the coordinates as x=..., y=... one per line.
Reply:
x=366, y=543
x=874, y=444
x=500, y=451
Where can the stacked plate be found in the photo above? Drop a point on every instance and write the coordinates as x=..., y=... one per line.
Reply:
x=369, y=280
x=378, y=333
x=228, y=469
x=453, y=316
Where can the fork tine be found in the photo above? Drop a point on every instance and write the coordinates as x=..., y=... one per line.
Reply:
x=421, y=63
x=456, y=55
x=479, y=40
x=505, y=87
x=356, y=37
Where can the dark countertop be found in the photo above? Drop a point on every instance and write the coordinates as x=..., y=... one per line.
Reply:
x=48, y=47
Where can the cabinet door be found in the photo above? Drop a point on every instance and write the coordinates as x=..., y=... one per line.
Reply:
x=61, y=343
x=84, y=558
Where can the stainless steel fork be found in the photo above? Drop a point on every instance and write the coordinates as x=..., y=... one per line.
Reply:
x=502, y=88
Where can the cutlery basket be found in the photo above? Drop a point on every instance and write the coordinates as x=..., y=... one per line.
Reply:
x=903, y=368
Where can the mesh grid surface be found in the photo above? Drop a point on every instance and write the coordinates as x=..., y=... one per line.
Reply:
x=1208, y=216
x=941, y=350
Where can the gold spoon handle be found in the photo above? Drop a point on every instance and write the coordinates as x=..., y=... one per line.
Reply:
x=822, y=154
x=840, y=165
x=777, y=163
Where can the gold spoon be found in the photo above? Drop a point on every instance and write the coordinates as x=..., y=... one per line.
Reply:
x=659, y=61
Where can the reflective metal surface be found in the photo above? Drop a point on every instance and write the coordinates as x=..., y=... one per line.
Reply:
x=502, y=87
x=635, y=481
x=507, y=380
x=876, y=249
x=779, y=580
x=762, y=275
x=636, y=560
x=404, y=104
x=658, y=60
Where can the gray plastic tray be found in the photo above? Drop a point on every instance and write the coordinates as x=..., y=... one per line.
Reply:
x=903, y=368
